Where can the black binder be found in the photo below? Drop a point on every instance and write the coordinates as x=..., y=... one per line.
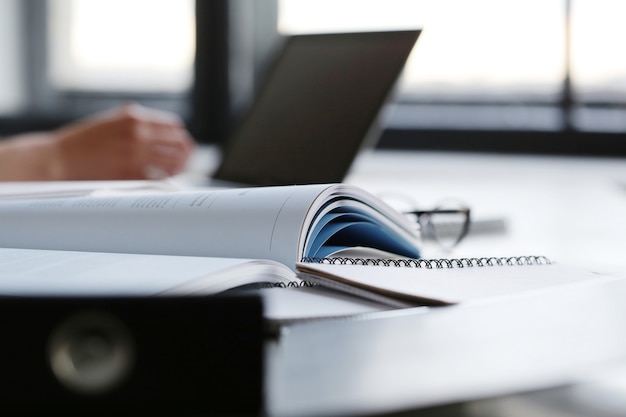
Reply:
x=131, y=356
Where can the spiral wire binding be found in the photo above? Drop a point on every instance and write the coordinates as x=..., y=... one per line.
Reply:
x=409, y=263
x=263, y=285
x=292, y=284
x=434, y=263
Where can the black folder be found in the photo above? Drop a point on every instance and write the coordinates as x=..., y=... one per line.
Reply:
x=130, y=356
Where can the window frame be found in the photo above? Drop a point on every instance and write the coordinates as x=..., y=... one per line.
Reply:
x=231, y=58
x=47, y=107
x=565, y=143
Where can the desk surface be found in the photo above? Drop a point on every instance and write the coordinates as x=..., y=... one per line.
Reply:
x=568, y=209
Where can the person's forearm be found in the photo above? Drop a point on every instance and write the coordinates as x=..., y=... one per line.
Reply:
x=28, y=157
x=131, y=142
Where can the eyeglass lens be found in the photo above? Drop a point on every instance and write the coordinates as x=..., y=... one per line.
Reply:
x=447, y=226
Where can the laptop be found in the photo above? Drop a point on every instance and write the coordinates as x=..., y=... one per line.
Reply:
x=315, y=109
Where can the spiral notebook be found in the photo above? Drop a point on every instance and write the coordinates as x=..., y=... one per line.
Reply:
x=410, y=282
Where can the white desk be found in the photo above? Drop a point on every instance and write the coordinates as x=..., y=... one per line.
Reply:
x=572, y=210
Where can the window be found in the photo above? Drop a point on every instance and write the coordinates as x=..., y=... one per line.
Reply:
x=528, y=75
x=11, y=83
x=598, y=68
x=66, y=58
x=121, y=45
x=490, y=73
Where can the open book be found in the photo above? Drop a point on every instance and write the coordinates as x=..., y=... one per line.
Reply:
x=36, y=272
x=210, y=241
x=195, y=242
x=283, y=224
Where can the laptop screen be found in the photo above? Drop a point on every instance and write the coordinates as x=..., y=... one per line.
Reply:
x=315, y=108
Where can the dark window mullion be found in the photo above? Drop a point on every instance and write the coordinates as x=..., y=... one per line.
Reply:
x=234, y=41
x=40, y=95
x=567, y=100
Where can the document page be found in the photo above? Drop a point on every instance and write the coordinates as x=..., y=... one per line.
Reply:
x=33, y=272
x=449, y=285
x=260, y=223
x=50, y=189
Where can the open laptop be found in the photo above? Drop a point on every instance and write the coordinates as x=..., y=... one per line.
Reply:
x=317, y=107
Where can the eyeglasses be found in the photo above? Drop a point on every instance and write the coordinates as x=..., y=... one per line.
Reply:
x=446, y=226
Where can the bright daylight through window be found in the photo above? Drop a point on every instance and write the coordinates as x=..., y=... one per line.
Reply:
x=487, y=52
x=148, y=47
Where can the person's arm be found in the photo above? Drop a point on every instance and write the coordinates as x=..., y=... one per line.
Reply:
x=131, y=142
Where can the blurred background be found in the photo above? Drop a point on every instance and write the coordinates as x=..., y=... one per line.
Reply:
x=533, y=76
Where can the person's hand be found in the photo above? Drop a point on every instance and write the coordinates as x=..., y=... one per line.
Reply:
x=131, y=142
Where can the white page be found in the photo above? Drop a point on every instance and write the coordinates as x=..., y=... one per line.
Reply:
x=453, y=285
x=260, y=223
x=49, y=189
x=34, y=272
x=42, y=272
x=286, y=304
